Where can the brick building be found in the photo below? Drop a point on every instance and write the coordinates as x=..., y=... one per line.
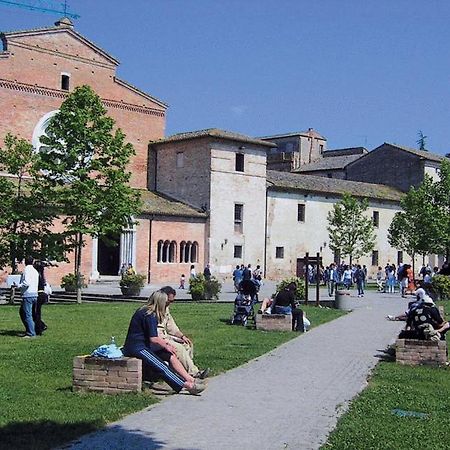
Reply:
x=38, y=68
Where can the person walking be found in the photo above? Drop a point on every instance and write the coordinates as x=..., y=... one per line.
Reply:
x=44, y=290
x=29, y=283
x=332, y=279
x=359, y=279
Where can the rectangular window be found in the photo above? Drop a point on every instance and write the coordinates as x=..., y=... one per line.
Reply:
x=399, y=258
x=65, y=82
x=180, y=159
x=375, y=258
x=376, y=219
x=238, y=251
x=238, y=217
x=239, y=162
x=300, y=212
x=279, y=252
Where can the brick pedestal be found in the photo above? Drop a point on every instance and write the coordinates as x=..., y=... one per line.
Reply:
x=110, y=376
x=413, y=352
x=273, y=322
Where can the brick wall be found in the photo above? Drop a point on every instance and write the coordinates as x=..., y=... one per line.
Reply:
x=109, y=376
x=413, y=352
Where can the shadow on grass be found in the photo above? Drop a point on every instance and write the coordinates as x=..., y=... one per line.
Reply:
x=47, y=435
x=12, y=333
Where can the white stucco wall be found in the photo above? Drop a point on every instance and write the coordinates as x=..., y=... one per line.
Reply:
x=229, y=187
x=311, y=236
x=433, y=172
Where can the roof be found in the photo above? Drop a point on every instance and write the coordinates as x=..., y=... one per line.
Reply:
x=309, y=133
x=285, y=181
x=331, y=153
x=421, y=153
x=62, y=26
x=155, y=203
x=142, y=93
x=330, y=163
x=214, y=133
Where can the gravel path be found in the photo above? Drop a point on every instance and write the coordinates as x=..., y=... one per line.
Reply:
x=289, y=398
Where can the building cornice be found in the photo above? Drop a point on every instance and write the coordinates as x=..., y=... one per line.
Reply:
x=56, y=93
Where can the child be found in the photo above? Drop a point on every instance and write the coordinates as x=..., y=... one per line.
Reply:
x=182, y=280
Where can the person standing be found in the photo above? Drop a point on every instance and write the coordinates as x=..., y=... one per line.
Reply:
x=29, y=286
x=332, y=279
x=359, y=278
x=207, y=273
x=182, y=281
x=247, y=274
x=192, y=273
x=237, y=277
x=44, y=290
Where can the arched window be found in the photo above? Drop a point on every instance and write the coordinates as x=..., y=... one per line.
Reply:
x=182, y=250
x=194, y=252
x=172, y=251
x=165, y=252
x=187, y=252
x=159, y=251
x=40, y=129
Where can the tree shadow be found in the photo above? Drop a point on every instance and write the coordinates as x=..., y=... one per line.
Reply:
x=45, y=435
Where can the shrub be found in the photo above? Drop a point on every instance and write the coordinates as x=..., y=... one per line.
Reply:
x=202, y=289
x=132, y=280
x=69, y=282
x=440, y=284
x=299, y=283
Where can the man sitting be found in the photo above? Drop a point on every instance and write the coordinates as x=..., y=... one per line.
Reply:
x=184, y=347
x=284, y=303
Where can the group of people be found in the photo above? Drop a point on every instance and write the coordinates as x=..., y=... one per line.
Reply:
x=345, y=275
x=164, y=349
x=193, y=274
x=35, y=293
x=423, y=319
x=242, y=272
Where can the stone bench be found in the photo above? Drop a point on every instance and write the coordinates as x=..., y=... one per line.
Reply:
x=109, y=376
x=274, y=322
x=414, y=352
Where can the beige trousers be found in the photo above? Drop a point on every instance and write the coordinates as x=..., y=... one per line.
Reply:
x=185, y=354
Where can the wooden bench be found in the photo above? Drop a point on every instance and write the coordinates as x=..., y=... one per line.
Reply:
x=109, y=376
x=273, y=322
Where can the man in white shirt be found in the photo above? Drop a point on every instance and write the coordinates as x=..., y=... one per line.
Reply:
x=29, y=287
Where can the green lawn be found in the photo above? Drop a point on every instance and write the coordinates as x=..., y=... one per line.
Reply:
x=37, y=406
x=370, y=423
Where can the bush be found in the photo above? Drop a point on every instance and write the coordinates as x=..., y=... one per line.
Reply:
x=300, y=287
x=70, y=283
x=132, y=283
x=440, y=285
x=202, y=289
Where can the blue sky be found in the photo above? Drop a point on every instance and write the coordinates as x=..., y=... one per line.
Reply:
x=359, y=72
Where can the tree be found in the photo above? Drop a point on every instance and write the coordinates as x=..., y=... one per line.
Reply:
x=442, y=202
x=415, y=229
x=84, y=164
x=421, y=142
x=26, y=215
x=351, y=232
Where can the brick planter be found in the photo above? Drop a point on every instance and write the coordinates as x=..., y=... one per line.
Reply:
x=274, y=322
x=413, y=352
x=110, y=376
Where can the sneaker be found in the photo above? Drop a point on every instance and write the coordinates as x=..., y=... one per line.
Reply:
x=389, y=317
x=196, y=388
x=202, y=374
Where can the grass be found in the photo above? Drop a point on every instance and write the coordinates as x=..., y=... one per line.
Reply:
x=37, y=406
x=370, y=423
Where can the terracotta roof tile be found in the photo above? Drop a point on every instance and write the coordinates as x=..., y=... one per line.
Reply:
x=329, y=163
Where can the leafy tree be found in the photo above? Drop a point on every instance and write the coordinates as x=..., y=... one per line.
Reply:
x=25, y=215
x=351, y=232
x=442, y=202
x=84, y=165
x=415, y=229
x=421, y=142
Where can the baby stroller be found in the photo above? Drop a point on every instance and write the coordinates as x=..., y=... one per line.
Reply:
x=243, y=304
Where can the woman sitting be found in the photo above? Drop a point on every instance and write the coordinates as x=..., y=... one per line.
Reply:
x=142, y=342
x=284, y=303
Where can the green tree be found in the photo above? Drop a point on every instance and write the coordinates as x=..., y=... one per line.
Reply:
x=442, y=203
x=84, y=165
x=422, y=141
x=415, y=229
x=351, y=232
x=26, y=215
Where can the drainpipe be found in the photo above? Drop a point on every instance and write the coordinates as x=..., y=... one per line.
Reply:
x=265, y=235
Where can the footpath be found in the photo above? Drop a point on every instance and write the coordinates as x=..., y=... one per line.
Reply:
x=289, y=398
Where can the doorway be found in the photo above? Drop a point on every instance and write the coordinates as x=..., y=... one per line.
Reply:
x=108, y=262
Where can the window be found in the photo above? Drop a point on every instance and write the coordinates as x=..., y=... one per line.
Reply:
x=279, y=252
x=239, y=162
x=238, y=217
x=321, y=149
x=188, y=252
x=301, y=212
x=238, y=251
x=180, y=159
x=65, y=82
x=376, y=219
x=375, y=258
x=399, y=258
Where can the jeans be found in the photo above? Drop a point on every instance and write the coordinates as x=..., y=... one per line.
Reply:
x=331, y=286
x=26, y=314
x=360, y=285
x=287, y=310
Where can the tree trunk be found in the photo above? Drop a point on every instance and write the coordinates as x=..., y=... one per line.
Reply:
x=78, y=265
x=414, y=265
